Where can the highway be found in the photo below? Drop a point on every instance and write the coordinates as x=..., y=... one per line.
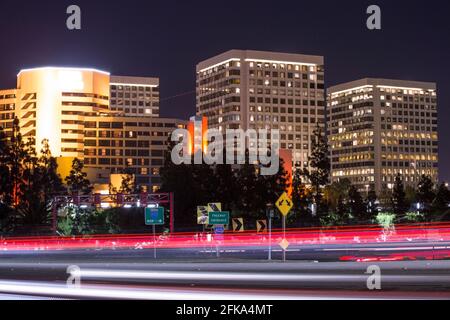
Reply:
x=135, y=274
x=414, y=263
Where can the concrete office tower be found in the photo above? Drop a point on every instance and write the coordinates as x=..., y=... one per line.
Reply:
x=243, y=89
x=71, y=108
x=135, y=96
x=378, y=128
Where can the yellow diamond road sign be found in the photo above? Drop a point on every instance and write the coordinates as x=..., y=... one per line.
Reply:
x=284, y=244
x=284, y=204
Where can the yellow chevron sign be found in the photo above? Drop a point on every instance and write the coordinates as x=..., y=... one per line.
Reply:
x=202, y=215
x=214, y=207
x=238, y=224
x=261, y=226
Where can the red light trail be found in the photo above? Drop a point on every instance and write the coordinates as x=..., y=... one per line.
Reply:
x=309, y=236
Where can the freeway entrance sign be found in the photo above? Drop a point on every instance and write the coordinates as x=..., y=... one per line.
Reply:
x=154, y=216
x=219, y=217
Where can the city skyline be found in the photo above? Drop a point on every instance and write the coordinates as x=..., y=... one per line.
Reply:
x=368, y=120
x=247, y=152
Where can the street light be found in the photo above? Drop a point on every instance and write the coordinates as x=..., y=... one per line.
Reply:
x=418, y=206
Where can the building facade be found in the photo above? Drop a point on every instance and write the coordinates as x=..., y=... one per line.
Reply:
x=70, y=107
x=7, y=110
x=135, y=96
x=115, y=143
x=243, y=89
x=378, y=128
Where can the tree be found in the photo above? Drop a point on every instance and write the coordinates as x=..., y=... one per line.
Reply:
x=338, y=217
x=247, y=181
x=336, y=190
x=356, y=203
x=16, y=157
x=271, y=187
x=319, y=163
x=179, y=179
x=128, y=183
x=441, y=201
x=204, y=183
x=40, y=184
x=301, y=197
x=341, y=209
x=226, y=191
x=398, y=200
x=410, y=194
x=52, y=182
x=77, y=181
x=425, y=194
x=5, y=182
x=372, y=203
x=5, y=176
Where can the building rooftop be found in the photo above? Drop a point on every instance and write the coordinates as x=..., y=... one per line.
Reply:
x=263, y=56
x=144, y=81
x=63, y=68
x=402, y=84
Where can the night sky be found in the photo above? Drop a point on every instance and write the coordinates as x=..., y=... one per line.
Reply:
x=168, y=38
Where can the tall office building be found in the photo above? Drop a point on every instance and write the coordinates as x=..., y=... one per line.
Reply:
x=378, y=128
x=243, y=89
x=71, y=108
x=135, y=96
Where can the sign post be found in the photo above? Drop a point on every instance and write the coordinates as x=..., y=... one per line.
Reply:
x=284, y=205
x=218, y=219
x=218, y=231
x=262, y=228
x=270, y=236
x=284, y=236
x=154, y=242
x=153, y=217
x=202, y=217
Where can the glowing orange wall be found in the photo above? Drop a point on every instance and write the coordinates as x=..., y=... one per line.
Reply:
x=286, y=156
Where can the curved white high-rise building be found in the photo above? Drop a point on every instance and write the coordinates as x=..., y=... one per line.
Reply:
x=52, y=104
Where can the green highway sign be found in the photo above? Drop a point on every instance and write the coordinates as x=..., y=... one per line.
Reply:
x=154, y=216
x=219, y=217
